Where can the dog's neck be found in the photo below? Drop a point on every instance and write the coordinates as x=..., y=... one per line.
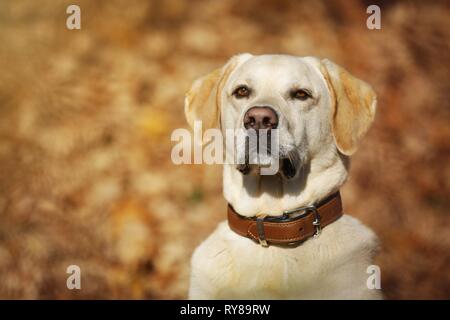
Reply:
x=254, y=194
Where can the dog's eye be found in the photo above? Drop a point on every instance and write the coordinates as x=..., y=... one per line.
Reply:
x=241, y=92
x=300, y=94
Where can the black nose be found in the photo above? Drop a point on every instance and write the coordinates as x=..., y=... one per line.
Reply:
x=260, y=118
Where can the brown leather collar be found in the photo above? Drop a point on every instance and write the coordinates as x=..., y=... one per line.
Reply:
x=293, y=227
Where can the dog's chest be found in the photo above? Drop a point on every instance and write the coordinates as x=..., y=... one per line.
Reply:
x=267, y=273
x=232, y=266
x=241, y=268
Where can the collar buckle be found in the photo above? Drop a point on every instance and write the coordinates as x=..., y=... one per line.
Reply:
x=287, y=214
x=261, y=232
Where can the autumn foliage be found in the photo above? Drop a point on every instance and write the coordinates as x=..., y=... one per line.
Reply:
x=86, y=116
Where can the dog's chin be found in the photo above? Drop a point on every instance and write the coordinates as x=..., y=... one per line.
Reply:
x=288, y=167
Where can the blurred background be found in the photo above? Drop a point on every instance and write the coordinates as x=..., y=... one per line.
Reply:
x=86, y=116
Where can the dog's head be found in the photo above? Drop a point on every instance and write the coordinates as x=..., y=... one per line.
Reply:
x=314, y=104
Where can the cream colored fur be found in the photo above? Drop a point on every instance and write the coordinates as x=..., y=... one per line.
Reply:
x=325, y=130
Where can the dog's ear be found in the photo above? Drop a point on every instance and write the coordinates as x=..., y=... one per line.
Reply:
x=353, y=109
x=202, y=102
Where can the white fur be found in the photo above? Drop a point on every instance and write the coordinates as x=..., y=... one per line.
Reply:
x=332, y=266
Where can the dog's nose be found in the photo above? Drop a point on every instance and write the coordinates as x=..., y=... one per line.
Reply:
x=260, y=118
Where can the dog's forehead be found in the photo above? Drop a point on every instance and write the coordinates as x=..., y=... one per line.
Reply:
x=275, y=67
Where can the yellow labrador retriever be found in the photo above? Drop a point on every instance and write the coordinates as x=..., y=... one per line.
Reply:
x=286, y=236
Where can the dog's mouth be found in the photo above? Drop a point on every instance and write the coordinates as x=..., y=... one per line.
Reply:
x=262, y=153
x=289, y=164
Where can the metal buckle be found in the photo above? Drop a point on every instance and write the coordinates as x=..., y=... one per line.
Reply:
x=307, y=210
x=260, y=229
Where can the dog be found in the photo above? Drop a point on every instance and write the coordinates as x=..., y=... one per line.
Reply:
x=321, y=113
